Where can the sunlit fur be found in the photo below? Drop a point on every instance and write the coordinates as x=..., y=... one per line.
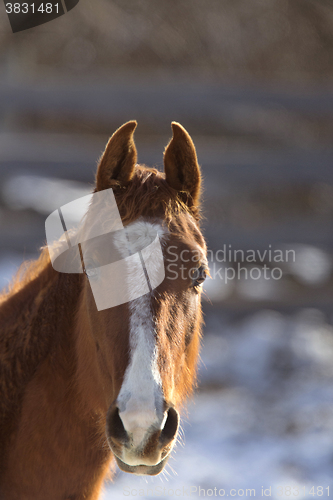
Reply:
x=62, y=362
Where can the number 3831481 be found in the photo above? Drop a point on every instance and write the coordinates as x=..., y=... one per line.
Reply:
x=24, y=8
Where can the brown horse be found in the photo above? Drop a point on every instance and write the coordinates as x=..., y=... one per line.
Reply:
x=81, y=386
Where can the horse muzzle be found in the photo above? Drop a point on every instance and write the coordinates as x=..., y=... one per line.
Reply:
x=142, y=451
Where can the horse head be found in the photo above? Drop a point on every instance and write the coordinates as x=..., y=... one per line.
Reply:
x=137, y=360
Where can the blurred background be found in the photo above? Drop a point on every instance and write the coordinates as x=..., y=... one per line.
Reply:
x=252, y=82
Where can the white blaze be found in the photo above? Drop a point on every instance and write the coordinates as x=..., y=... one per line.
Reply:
x=140, y=400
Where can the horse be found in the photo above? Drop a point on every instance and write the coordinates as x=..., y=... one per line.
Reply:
x=82, y=388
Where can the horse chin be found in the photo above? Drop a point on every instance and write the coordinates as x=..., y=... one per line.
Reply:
x=142, y=470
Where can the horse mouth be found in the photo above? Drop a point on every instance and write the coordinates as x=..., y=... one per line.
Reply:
x=142, y=470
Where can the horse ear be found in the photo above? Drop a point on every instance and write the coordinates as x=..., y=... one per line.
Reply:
x=119, y=158
x=181, y=167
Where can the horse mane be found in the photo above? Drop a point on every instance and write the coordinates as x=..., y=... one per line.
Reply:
x=27, y=272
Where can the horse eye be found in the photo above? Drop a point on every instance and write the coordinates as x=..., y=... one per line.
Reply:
x=198, y=276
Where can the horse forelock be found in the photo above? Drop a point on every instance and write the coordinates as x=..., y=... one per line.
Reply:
x=149, y=194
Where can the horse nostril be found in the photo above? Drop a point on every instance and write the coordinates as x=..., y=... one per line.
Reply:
x=170, y=427
x=115, y=426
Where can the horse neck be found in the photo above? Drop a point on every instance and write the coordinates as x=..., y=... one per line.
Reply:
x=37, y=319
x=39, y=395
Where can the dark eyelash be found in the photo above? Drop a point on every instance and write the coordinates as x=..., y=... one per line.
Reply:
x=200, y=275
